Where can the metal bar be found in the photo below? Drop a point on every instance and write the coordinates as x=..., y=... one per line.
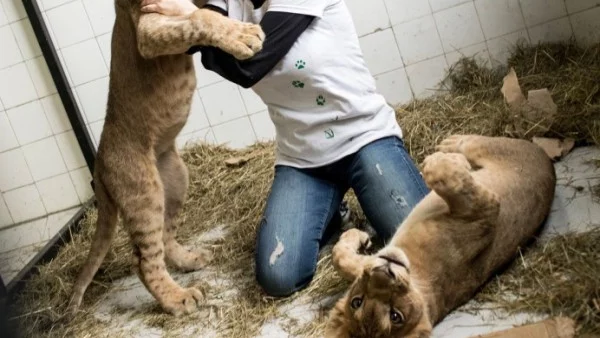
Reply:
x=61, y=82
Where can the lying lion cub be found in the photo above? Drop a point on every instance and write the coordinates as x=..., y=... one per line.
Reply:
x=490, y=196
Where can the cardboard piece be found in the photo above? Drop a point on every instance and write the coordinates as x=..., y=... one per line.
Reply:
x=558, y=327
x=512, y=90
x=237, y=161
x=535, y=113
x=555, y=148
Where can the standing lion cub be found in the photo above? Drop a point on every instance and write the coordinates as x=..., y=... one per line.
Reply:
x=138, y=172
x=490, y=196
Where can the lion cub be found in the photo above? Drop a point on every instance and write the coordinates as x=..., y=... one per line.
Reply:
x=489, y=197
x=138, y=172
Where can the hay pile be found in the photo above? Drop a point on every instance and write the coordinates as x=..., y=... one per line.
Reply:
x=556, y=277
x=235, y=197
x=473, y=102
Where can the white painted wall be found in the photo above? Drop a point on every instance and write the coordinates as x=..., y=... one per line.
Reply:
x=408, y=45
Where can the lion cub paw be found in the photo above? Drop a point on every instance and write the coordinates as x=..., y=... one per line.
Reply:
x=181, y=301
x=453, y=144
x=192, y=260
x=355, y=239
x=446, y=171
x=243, y=41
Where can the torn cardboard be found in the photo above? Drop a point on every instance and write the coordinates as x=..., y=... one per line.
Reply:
x=533, y=115
x=558, y=327
x=237, y=161
x=555, y=148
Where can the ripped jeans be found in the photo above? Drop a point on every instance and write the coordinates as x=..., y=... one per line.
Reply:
x=303, y=205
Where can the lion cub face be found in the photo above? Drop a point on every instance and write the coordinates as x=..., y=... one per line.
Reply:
x=381, y=302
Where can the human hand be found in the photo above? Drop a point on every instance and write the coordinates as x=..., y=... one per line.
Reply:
x=169, y=7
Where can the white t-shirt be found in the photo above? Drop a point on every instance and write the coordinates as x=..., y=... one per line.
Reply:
x=321, y=96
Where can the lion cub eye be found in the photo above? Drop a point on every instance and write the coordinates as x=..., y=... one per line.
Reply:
x=356, y=302
x=396, y=317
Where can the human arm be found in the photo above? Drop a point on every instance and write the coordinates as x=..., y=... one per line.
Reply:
x=281, y=32
x=283, y=23
x=159, y=35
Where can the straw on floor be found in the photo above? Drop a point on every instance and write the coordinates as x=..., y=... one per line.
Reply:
x=235, y=196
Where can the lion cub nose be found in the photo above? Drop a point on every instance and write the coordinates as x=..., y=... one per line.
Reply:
x=382, y=276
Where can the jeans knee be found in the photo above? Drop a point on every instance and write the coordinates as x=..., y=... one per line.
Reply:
x=282, y=281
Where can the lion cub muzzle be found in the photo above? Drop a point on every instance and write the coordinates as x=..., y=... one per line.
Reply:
x=388, y=270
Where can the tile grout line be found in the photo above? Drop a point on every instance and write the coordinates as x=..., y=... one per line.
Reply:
x=56, y=6
x=524, y=21
x=412, y=93
x=20, y=147
x=197, y=92
x=44, y=179
x=43, y=204
x=34, y=141
x=460, y=3
x=14, y=37
x=68, y=173
x=15, y=225
x=42, y=199
x=239, y=89
x=96, y=35
x=3, y=11
x=570, y=21
x=60, y=47
x=12, y=219
x=485, y=38
x=46, y=137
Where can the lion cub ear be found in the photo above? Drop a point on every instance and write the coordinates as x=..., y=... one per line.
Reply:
x=337, y=323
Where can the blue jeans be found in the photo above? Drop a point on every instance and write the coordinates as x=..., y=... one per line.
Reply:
x=304, y=202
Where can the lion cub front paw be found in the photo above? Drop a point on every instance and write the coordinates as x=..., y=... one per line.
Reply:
x=243, y=41
x=181, y=301
x=355, y=239
x=446, y=171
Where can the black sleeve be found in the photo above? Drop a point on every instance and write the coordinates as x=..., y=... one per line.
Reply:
x=281, y=32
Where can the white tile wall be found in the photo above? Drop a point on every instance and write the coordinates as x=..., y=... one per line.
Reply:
x=42, y=170
x=407, y=44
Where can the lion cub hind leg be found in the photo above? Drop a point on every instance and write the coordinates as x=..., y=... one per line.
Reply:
x=174, y=176
x=449, y=175
x=142, y=207
x=105, y=231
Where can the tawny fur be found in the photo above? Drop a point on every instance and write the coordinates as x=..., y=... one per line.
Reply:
x=489, y=197
x=138, y=171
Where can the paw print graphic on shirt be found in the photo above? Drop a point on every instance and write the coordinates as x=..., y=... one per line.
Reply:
x=329, y=134
x=298, y=84
x=300, y=64
x=321, y=100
